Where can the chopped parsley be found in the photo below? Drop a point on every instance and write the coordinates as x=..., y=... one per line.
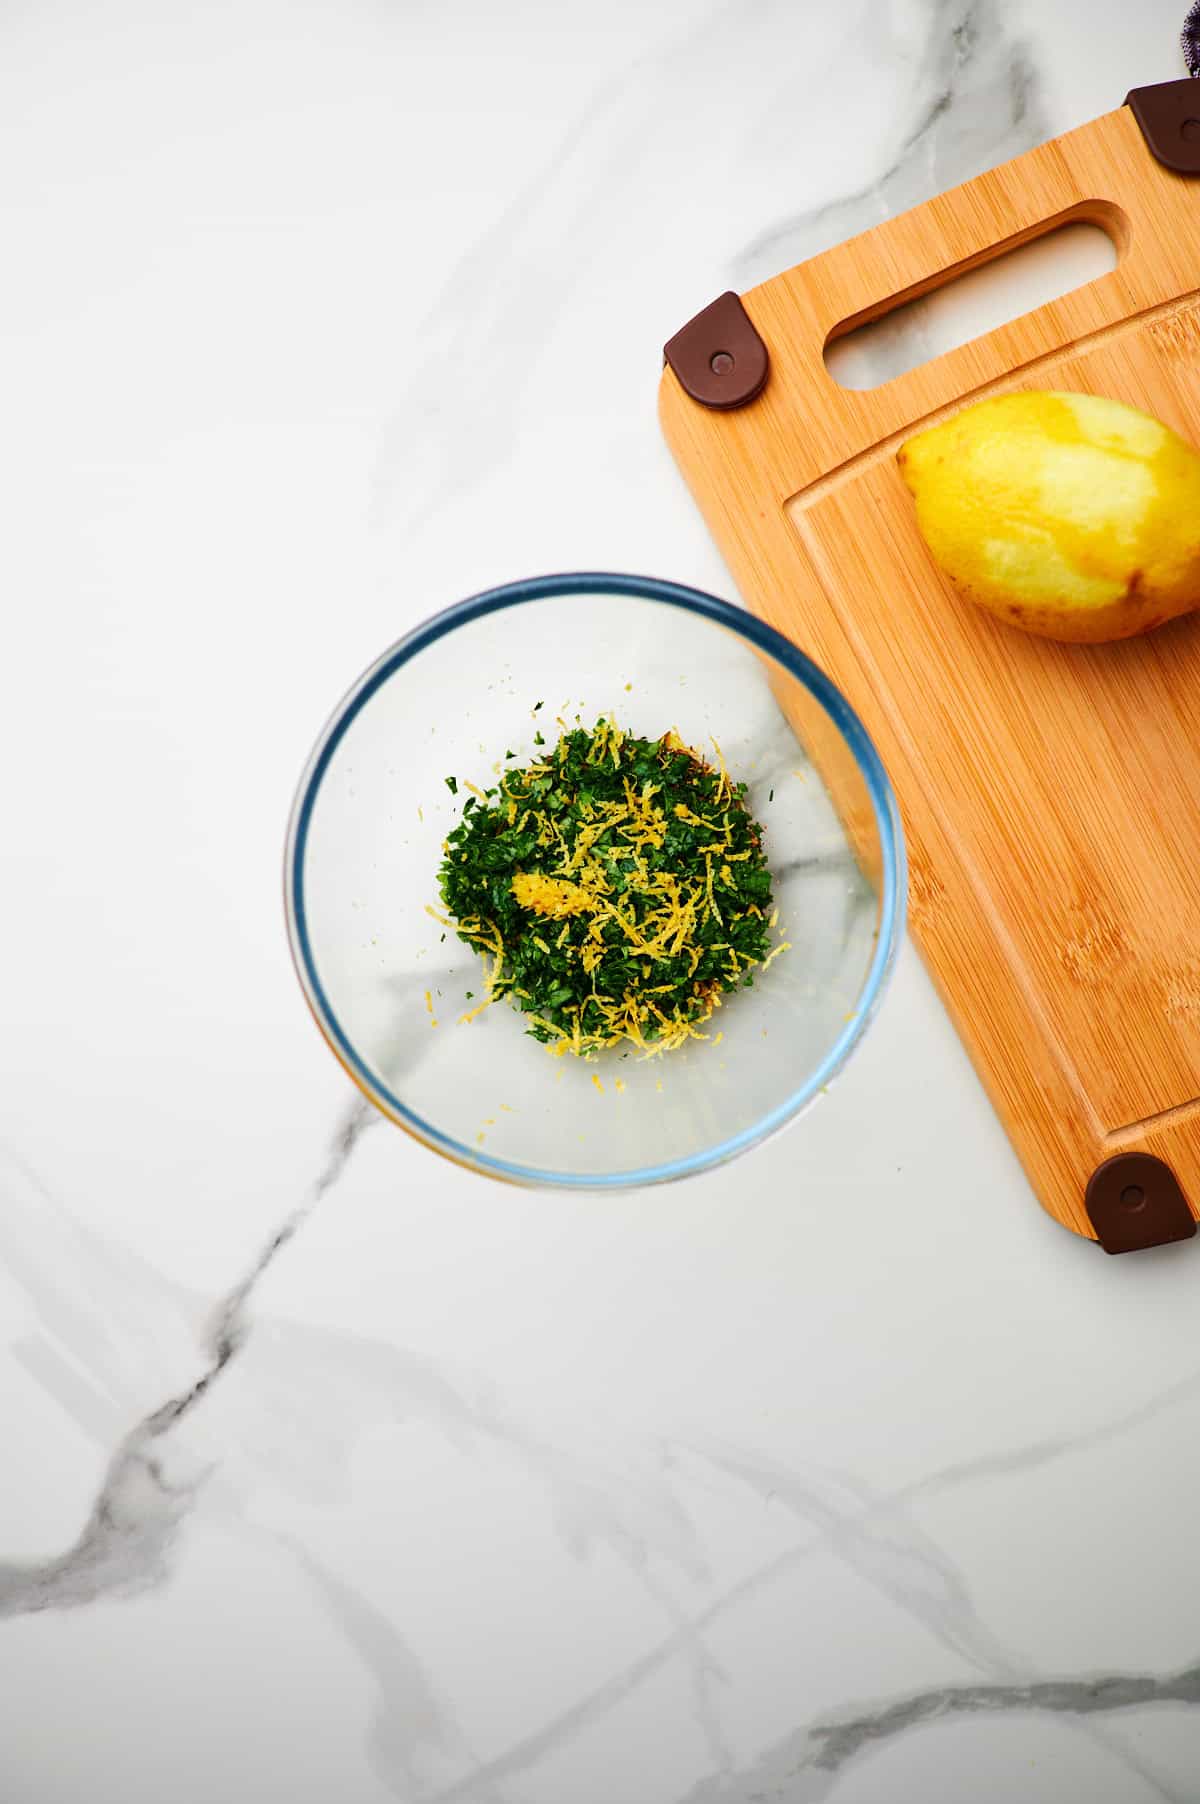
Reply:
x=618, y=886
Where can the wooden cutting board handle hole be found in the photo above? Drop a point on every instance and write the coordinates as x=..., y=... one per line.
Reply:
x=966, y=303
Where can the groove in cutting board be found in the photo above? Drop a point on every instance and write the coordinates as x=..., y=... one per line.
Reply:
x=1124, y=1136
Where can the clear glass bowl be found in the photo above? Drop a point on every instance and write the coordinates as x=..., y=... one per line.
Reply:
x=387, y=983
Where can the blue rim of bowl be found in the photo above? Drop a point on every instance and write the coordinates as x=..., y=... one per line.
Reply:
x=764, y=638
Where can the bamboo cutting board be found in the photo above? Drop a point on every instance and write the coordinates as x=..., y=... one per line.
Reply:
x=1050, y=793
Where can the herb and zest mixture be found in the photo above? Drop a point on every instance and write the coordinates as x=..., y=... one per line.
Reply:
x=619, y=887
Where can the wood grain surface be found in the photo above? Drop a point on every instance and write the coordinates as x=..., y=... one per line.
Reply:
x=1050, y=793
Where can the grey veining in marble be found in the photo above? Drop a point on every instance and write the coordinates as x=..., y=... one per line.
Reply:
x=131, y=1529
x=806, y=1767
x=974, y=100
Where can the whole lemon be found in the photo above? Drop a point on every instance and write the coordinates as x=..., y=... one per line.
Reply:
x=1067, y=515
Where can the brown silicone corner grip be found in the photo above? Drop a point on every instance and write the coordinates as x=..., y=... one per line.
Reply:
x=718, y=357
x=1134, y=1201
x=1169, y=115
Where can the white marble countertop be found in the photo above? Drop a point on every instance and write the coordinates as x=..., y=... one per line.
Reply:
x=331, y=1471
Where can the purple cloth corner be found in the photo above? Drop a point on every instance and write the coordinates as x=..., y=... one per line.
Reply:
x=1191, y=40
